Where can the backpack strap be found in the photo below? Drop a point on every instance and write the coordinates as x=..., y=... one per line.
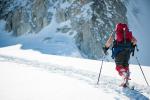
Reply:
x=124, y=35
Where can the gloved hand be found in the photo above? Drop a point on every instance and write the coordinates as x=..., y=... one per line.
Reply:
x=105, y=50
x=134, y=45
x=133, y=49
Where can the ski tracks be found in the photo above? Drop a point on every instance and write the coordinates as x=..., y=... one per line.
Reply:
x=107, y=84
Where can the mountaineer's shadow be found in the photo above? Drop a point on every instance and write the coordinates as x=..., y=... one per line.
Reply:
x=134, y=94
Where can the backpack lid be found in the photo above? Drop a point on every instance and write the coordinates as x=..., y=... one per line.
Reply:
x=122, y=33
x=120, y=27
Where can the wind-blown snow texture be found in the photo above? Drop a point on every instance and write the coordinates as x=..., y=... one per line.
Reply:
x=26, y=74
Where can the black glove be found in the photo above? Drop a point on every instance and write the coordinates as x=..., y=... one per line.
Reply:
x=133, y=45
x=105, y=50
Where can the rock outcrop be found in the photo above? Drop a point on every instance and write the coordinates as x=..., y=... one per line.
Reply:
x=92, y=20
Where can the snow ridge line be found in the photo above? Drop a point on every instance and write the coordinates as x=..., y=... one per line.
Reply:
x=106, y=83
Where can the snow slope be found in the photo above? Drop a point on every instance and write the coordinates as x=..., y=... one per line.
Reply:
x=30, y=75
x=47, y=41
x=24, y=82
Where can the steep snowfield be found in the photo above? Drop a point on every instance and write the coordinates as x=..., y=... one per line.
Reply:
x=24, y=82
x=30, y=75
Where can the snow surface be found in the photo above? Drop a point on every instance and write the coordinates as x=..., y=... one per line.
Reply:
x=30, y=75
x=24, y=82
x=47, y=41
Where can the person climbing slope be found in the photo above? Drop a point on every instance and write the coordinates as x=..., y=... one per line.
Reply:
x=123, y=46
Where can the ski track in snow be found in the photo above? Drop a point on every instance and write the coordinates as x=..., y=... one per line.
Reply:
x=107, y=84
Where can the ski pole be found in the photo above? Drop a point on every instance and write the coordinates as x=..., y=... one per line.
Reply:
x=140, y=66
x=100, y=72
x=142, y=71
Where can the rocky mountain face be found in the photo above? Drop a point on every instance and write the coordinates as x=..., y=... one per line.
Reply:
x=92, y=20
x=25, y=16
